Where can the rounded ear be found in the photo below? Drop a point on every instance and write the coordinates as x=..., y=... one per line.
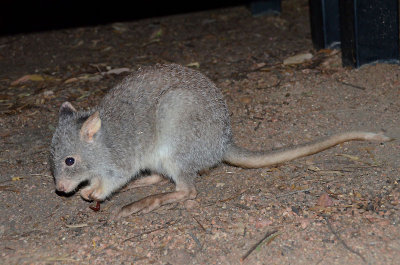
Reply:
x=90, y=127
x=66, y=109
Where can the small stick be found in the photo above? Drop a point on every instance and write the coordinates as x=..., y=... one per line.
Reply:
x=270, y=236
x=292, y=192
x=95, y=208
x=201, y=226
x=351, y=85
x=196, y=240
x=42, y=175
x=168, y=224
x=8, y=188
x=234, y=196
x=113, y=245
x=342, y=241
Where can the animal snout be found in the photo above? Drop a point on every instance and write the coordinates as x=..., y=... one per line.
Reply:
x=61, y=187
x=65, y=185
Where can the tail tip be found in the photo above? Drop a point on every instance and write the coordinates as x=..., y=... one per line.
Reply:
x=378, y=137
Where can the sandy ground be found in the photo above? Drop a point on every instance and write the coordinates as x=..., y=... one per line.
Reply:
x=337, y=207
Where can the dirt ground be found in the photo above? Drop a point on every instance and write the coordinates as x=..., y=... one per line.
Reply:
x=337, y=207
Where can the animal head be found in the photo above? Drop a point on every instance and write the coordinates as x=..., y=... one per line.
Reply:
x=76, y=147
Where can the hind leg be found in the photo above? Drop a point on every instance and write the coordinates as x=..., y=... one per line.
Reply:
x=146, y=181
x=183, y=192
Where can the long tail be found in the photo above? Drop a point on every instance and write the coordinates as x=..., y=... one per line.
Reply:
x=242, y=157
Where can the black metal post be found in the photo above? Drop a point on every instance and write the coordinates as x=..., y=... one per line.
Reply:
x=324, y=20
x=369, y=31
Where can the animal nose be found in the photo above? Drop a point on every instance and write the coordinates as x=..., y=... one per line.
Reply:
x=60, y=187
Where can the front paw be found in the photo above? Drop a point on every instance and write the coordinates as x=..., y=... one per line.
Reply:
x=87, y=192
x=94, y=191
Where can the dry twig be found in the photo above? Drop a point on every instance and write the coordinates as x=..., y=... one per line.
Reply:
x=342, y=241
x=269, y=237
x=168, y=224
x=350, y=85
x=234, y=196
x=292, y=192
x=196, y=240
x=201, y=226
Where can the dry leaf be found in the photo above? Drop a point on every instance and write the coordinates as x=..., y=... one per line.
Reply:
x=245, y=100
x=106, y=49
x=118, y=71
x=354, y=158
x=27, y=78
x=193, y=64
x=298, y=59
x=80, y=43
x=314, y=168
x=70, y=80
x=77, y=225
x=325, y=201
x=156, y=35
x=89, y=77
x=219, y=185
x=119, y=27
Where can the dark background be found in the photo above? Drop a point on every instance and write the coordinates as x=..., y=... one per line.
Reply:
x=28, y=16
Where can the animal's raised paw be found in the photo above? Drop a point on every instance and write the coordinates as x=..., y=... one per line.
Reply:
x=94, y=191
x=86, y=193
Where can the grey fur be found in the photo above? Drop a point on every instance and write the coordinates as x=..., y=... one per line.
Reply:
x=168, y=119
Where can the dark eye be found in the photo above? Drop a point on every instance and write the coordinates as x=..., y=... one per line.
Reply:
x=69, y=161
